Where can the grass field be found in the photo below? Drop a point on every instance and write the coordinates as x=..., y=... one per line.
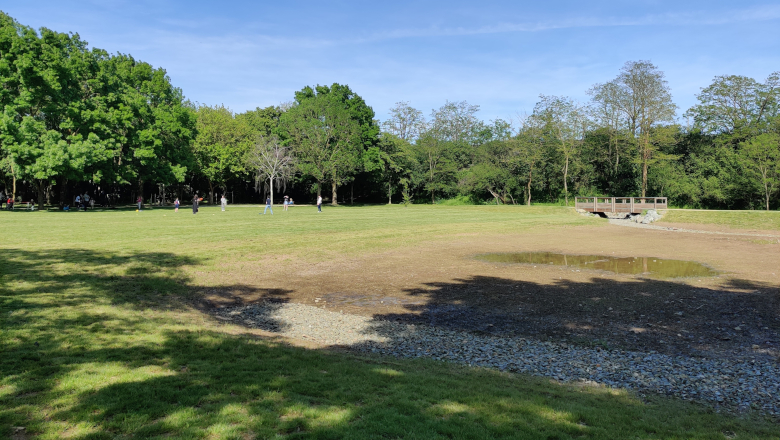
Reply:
x=99, y=339
x=762, y=220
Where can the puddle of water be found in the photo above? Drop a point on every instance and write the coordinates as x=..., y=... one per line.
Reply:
x=655, y=267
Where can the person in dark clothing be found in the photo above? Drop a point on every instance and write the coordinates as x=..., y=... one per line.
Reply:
x=268, y=206
x=195, y=201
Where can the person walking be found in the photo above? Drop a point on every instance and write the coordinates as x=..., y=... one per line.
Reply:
x=195, y=201
x=87, y=201
x=176, y=205
x=10, y=203
x=268, y=206
x=223, y=200
x=140, y=202
x=286, y=202
x=319, y=204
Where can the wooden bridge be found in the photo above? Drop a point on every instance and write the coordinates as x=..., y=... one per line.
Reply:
x=629, y=205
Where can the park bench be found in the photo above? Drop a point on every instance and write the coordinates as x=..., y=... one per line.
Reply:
x=24, y=205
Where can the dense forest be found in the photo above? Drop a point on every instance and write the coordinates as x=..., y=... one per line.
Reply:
x=82, y=120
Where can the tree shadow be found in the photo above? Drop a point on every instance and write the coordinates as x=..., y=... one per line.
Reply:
x=212, y=384
x=86, y=355
x=641, y=314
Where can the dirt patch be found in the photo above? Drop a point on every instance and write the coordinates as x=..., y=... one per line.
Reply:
x=441, y=283
x=717, y=228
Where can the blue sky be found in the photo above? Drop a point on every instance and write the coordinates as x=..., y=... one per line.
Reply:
x=499, y=55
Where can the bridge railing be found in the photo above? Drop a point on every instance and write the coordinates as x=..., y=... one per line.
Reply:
x=632, y=205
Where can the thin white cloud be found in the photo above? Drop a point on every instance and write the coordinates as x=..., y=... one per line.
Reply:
x=759, y=13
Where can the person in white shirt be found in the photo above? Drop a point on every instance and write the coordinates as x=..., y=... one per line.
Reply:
x=319, y=203
x=224, y=202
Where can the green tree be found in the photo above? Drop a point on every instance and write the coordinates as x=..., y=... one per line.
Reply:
x=566, y=122
x=528, y=153
x=737, y=106
x=221, y=146
x=495, y=164
x=394, y=163
x=405, y=122
x=761, y=157
x=640, y=94
x=263, y=121
x=329, y=129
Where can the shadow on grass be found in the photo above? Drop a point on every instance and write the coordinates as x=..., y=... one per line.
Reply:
x=203, y=384
x=90, y=351
x=642, y=314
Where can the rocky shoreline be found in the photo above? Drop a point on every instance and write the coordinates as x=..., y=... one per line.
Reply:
x=730, y=384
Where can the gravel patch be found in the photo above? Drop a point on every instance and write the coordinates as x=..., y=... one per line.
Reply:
x=732, y=384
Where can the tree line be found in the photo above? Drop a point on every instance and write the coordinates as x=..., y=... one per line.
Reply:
x=76, y=119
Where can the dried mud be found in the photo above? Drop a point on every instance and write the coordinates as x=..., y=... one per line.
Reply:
x=440, y=283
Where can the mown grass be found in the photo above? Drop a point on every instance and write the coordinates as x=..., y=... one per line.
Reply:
x=764, y=220
x=99, y=340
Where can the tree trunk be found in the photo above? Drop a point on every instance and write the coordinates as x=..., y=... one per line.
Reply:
x=319, y=189
x=352, y=193
x=565, y=183
x=766, y=191
x=41, y=193
x=334, y=187
x=13, y=178
x=63, y=192
x=211, y=193
x=271, y=186
x=141, y=191
x=389, y=193
x=528, y=189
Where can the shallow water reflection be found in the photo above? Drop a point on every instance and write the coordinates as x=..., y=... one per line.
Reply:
x=655, y=267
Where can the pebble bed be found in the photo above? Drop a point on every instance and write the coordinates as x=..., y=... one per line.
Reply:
x=726, y=384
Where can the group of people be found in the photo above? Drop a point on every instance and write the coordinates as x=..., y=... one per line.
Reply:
x=83, y=201
x=288, y=201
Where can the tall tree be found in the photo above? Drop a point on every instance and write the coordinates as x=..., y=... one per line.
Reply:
x=405, y=122
x=221, y=145
x=566, y=122
x=272, y=162
x=455, y=122
x=761, y=157
x=528, y=152
x=329, y=129
x=737, y=105
x=393, y=161
x=262, y=121
x=641, y=94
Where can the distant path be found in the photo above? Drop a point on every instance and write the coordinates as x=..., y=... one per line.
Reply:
x=631, y=224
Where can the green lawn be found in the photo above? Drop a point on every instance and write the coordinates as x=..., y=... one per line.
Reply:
x=766, y=220
x=97, y=339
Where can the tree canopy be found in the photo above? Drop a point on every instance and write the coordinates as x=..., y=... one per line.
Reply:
x=75, y=119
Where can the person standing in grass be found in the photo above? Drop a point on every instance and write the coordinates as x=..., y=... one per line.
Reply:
x=268, y=206
x=286, y=202
x=195, y=201
x=176, y=205
x=319, y=203
x=223, y=201
x=140, y=202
